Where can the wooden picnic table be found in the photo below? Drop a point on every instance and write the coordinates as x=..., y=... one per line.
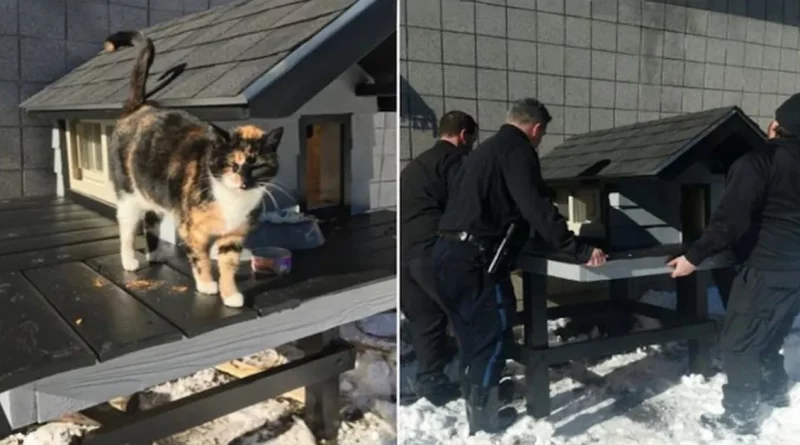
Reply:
x=688, y=322
x=77, y=330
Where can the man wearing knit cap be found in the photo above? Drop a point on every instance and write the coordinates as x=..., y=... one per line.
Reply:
x=758, y=216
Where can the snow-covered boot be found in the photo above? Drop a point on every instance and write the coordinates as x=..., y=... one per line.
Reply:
x=742, y=414
x=438, y=390
x=484, y=412
x=733, y=422
x=506, y=389
x=774, y=387
x=775, y=394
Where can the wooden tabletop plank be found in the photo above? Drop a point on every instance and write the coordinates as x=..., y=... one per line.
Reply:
x=346, y=238
x=36, y=229
x=63, y=254
x=37, y=342
x=314, y=272
x=30, y=214
x=365, y=219
x=30, y=203
x=57, y=239
x=9, y=222
x=172, y=295
x=318, y=273
x=352, y=255
x=109, y=319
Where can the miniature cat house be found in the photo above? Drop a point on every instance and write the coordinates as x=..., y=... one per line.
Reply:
x=648, y=184
x=324, y=71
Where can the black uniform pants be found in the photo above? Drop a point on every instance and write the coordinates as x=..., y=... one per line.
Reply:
x=761, y=310
x=481, y=308
x=427, y=321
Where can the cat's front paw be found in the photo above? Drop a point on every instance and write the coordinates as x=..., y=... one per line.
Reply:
x=130, y=263
x=207, y=287
x=233, y=300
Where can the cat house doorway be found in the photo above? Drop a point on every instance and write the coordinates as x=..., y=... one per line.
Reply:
x=324, y=165
x=695, y=210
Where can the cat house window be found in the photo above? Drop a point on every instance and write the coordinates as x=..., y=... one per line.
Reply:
x=325, y=167
x=580, y=205
x=561, y=200
x=87, y=152
x=585, y=205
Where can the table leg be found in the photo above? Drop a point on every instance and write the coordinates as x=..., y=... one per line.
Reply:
x=537, y=378
x=692, y=301
x=322, y=399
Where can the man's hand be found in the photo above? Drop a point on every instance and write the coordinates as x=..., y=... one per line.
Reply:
x=598, y=258
x=682, y=267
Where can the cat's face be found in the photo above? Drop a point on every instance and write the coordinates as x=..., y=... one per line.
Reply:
x=248, y=159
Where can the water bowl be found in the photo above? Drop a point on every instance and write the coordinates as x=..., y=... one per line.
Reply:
x=271, y=260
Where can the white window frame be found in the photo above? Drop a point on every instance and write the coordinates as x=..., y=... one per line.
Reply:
x=86, y=182
x=576, y=206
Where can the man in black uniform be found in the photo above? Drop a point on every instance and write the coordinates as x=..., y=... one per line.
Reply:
x=500, y=183
x=759, y=217
x=423, y=194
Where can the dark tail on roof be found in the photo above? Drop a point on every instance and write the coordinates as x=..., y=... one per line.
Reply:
x=141, y=70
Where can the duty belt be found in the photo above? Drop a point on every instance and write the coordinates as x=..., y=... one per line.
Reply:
x=466, y=237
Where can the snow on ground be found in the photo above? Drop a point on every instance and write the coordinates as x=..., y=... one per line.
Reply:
x=368, y=395
x=637, y=398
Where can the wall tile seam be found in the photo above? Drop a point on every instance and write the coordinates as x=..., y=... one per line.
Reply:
x=475, y=64
x=645, y=25
x=616, y=52
x=589, y=77
x=639, y=26
x=564, y=66
x=508, y=57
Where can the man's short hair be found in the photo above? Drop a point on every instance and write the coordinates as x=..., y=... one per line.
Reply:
x=455, y=121
x=529, y=111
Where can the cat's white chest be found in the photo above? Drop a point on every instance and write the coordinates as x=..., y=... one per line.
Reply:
x=235, y=205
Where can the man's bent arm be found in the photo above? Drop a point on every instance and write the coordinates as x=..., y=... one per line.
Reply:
x=526, y=185
x=744, y=191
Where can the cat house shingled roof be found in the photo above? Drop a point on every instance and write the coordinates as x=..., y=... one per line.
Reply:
x=658, y=148
x=285, y=51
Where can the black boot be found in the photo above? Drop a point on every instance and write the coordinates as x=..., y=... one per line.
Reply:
x=774, y=386
x=438, y=390
x=484, y=412
x=506, y=389
x=732, y=421
x=742, y=415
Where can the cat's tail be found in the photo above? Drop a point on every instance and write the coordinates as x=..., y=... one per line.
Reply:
x=141, y=70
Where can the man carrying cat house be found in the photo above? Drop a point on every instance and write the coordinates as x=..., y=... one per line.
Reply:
x=499, y=187
x=758, y=216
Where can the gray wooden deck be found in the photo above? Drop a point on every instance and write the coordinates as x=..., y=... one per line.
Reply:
x=77, y=330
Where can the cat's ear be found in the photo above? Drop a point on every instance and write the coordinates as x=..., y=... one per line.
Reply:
x=270, y=141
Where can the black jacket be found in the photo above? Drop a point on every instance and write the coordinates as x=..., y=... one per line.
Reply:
x=759, y=213
x=423, y=195
x=501, y=183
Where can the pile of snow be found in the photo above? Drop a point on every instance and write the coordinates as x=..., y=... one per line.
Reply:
x=368, y=399
x=638, y=398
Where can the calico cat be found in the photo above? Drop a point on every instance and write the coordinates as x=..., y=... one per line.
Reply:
x=169, y=162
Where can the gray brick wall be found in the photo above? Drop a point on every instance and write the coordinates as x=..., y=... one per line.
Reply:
x=40, y=41
x=595, y=63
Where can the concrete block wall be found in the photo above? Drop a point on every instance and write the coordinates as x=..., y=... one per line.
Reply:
x=383, y=185
x=373, y=183
x=595, y=63
x=40, y=41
